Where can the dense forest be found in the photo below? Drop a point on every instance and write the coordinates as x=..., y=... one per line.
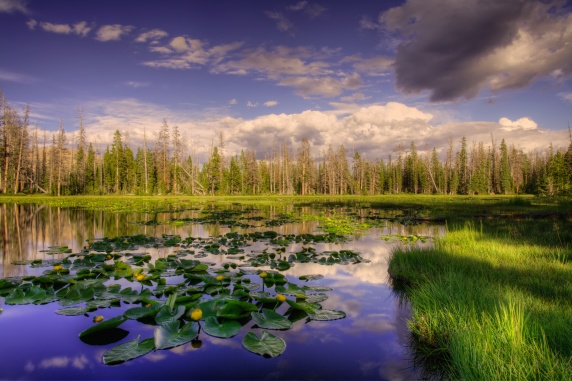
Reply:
x=30, y=163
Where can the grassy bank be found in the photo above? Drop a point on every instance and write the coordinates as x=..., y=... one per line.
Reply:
x=493, y=299
x=418, y=205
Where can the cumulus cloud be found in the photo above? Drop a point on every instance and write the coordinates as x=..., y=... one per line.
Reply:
x=270, y=103
x=13, y=6
x=151, y=36
x=112, y=32
x=521, y=124
x=470, y=45
x=251, y=104
x=374, y=130
x=233, y=101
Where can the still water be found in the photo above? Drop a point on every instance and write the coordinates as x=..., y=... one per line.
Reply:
x=370, y=343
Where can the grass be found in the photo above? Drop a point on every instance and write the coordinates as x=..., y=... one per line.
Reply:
x=418, y=205
x=492, y=300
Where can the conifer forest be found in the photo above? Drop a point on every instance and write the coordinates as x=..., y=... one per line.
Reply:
x=51, y=163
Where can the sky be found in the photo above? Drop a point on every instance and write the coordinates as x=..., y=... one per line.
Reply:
x=371, y=75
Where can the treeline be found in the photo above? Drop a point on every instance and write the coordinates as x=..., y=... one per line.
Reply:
x=30, y=163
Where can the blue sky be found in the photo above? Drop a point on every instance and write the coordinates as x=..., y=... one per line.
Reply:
x=367, y=74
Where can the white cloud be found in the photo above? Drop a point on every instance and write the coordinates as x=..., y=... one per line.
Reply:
x=81, y=28
x=251, y=104
x=16, y=77
x=233, y=101
x=152, y=35
x=160, y=49
x=270, y=103
x=321, y=86
x=185, y=53
x=136, y=84
x=12, y=6
x=354, y=97
x=377, y=66
x=32, y=24
x=521, y=124
x=278, y=62
x=566, y=96
x=282, y=23
x=112, y=32
x=373, y=130
x=56, y=28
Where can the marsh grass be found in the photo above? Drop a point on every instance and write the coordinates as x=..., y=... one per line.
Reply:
x=493, y=299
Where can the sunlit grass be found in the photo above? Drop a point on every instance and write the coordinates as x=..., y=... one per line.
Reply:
x=493, y=300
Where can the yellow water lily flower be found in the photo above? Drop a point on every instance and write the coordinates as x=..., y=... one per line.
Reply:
x=263, y=275
x=281, y=298
x=197, y=314
x=220, y=278
x=98, y=319
x=140, y=277
x=58, y=268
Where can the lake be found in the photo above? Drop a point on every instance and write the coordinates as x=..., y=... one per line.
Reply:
x=365, y=338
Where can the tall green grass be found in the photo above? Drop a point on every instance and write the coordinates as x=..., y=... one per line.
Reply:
x=492, y=301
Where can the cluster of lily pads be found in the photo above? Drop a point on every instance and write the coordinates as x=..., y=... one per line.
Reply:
x=219, y=300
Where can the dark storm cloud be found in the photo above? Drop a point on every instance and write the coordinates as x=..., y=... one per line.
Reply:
x=455, y=48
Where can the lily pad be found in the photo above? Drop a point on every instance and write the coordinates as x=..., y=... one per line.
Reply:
x=168, y=335
x=223, y=330
x=267, y=345
x=141, y=312
x=326, y=315
x=75, y=311
x=104, y=325
x=167, y=314
x=270, y=319
x=311, y=277
x=128, y=351
x=25, y=295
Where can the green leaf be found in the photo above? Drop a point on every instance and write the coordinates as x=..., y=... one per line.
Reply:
x=166, y=314
x=104, y=325
x=308, y=278
x=289, y=289
x=223, y=330
x=316, y=298
x=267, y=345
x=25, y=295
x=270, y=319
x=234, y=309
x=141, y=312
x=263, y=297
x=301, y=306
x=128, y=351
x=75, y=311
x=316, y=288
x=325, y=315
x=168, y=335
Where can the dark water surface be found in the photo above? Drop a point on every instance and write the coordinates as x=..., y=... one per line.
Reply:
x=369, y=344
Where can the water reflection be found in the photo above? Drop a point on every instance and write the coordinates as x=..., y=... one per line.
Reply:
x=370, y=343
